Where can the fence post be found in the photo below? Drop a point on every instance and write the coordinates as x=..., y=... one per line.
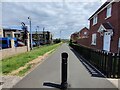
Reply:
x=114, y=65
x=102, y=60
x=105, y=61
x=109, y=65
x=119, y=66
x=98, y=55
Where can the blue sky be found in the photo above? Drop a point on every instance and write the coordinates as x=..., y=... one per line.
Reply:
x=67, y=16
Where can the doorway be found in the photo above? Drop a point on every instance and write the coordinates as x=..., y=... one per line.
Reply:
x=106, y=41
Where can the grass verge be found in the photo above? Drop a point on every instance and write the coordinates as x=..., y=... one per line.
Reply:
x=15, y=62
x=22, y=72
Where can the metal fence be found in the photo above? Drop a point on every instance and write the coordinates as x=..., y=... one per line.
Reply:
x=106, y=62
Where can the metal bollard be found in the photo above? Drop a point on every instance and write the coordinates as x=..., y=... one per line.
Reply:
x=64, y=83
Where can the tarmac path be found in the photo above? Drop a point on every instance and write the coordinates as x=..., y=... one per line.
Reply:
x=80, y=75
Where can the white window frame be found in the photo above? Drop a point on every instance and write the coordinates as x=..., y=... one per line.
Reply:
x=109, y=11
x=85, y=33
x=119, y=43
x=94, y=37
x=95, y=19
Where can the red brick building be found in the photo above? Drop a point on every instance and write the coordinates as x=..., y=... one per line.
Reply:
x=84, y=33
x=83, y=38
x=105, y=27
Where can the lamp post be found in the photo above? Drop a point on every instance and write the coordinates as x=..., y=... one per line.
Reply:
x=38, y=35
x=43, y=35
x=31, y=45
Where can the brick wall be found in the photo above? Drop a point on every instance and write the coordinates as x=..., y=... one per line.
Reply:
x=83, y=42
x=12, y=51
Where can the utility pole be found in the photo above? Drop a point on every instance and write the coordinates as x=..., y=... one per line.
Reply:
x=38, y=37
x=31, y=44
x=43, y=35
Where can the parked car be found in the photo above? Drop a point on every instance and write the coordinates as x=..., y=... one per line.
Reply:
x=20, y=43
x=34, y=43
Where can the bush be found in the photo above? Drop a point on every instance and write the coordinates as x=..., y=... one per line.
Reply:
x=57, y=40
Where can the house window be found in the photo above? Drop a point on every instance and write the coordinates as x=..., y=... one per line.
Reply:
x=95, y=20
x=109, y=9
x=85, y=33
x=94, y=39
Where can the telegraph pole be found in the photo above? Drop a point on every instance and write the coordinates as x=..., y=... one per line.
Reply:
x=38, y=35
x=43, y=35
x=31, y=45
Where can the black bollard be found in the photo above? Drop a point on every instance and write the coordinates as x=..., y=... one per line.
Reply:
x=64, y=83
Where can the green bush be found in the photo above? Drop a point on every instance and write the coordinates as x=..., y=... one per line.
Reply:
x=57, y=40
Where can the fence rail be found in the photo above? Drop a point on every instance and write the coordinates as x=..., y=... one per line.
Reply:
x=106, y=62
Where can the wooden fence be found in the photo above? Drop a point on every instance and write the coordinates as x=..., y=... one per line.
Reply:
x=106, y=62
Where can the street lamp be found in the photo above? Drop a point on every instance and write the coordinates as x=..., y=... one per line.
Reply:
x=30, y=33
x=43, y=35
x=38, y=35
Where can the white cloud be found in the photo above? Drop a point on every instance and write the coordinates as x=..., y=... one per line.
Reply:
x=54, y=16
x=51, y=0
x=1, y=15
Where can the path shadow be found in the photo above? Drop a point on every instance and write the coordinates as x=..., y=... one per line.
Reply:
x=57, y=86
x=49, y=84
x=91, y=69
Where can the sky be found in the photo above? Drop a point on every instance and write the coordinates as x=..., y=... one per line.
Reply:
x=66, y=16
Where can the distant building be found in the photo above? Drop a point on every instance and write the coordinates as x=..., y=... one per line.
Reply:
x=84, y=33
x=15, y=33
x=83, y=37
x=12, y=33
x=42, y=37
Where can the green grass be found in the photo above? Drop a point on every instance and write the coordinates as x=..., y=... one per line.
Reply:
x=15, y=62
x=22, y=73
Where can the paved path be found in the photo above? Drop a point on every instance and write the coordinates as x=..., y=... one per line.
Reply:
x=49, y=71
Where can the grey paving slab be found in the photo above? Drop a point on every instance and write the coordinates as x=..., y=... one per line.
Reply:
x=50, y=71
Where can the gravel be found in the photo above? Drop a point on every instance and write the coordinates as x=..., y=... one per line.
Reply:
x=8, y=81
